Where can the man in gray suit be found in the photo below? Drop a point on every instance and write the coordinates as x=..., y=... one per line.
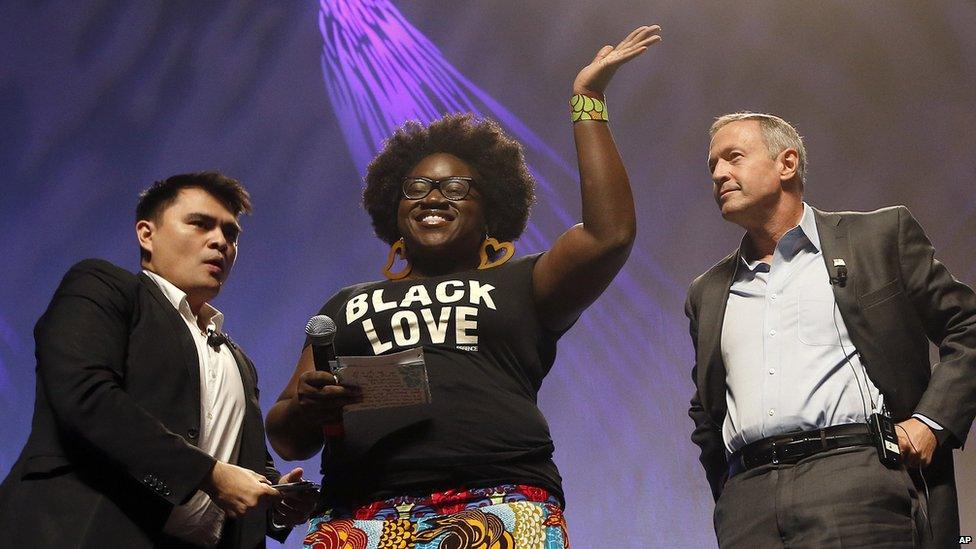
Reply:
x=815, y=324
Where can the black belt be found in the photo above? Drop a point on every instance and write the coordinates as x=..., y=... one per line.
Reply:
x=792, y=447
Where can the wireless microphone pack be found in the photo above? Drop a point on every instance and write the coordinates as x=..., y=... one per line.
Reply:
x=840, y=273
x=885, y=439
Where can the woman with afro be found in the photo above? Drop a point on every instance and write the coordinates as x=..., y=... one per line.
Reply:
x=473, y=468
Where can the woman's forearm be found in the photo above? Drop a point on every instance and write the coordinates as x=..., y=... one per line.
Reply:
x=292, y=435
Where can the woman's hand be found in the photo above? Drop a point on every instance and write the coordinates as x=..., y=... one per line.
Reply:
x=310, y=401
x=321, y=398
x=593, y=79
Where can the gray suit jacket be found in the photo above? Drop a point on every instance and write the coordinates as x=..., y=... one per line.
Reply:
x=897, y=298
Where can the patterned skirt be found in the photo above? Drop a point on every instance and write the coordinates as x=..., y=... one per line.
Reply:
x=502, y=517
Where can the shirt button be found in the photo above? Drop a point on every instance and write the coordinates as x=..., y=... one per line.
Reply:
x=772, y=371
x=772, y=333
x=209, y=415
x=773, y=296
x=771, y=411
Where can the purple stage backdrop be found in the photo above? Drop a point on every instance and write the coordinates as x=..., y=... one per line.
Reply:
x=100, y=98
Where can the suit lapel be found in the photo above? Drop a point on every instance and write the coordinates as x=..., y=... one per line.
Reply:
x=835, y=243
x=715, y=298
x=188, y=349
x=253, y=453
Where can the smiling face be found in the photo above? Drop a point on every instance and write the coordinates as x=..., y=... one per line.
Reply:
x=435, y=228
x=192, y=243
x=747, y=180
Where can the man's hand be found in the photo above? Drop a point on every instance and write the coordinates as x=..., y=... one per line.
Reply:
x=595, y=76
x=294, y=508
x=321, y=399
x=916, y=441
x=237, y=490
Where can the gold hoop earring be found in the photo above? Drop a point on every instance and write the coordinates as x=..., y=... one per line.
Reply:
x=397, y=249
x=503, y=251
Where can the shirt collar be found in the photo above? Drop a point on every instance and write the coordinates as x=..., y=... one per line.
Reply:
x=808, y=224
x=177, y=297
x=805, y=232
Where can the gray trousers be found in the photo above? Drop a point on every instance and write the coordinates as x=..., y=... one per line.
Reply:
x=840, y=498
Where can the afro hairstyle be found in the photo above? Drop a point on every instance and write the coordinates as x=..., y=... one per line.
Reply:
x=505, y=184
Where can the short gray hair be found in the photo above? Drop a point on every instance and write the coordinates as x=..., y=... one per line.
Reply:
x=778, y=135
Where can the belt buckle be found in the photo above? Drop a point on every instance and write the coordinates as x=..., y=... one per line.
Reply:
x=775, y=453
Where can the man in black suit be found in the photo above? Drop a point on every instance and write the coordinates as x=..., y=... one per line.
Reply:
x=146, y=428
x=817, y=322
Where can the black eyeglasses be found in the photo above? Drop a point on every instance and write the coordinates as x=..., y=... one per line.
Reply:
x=455, y=187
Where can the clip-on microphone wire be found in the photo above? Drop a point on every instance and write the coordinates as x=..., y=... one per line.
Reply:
x=847, y=358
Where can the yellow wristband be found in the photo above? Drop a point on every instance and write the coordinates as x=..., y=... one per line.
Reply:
x=587, y=108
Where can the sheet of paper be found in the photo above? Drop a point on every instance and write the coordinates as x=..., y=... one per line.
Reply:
x=387, y=381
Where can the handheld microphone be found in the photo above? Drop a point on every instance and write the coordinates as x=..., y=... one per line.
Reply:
x=321, y=331
x=840, y=273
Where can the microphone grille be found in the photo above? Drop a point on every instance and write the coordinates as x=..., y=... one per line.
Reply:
x=321, y=329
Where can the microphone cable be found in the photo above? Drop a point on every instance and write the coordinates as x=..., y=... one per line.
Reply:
x=883, y=409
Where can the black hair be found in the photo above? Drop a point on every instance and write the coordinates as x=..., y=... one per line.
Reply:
x=154, y=200
x=505, y=184
x=161, y=194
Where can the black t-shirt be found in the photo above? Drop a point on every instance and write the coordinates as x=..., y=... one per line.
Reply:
x=486, y=356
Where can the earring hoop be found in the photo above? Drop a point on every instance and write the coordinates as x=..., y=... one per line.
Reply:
x=505, y=249
x=397, y=249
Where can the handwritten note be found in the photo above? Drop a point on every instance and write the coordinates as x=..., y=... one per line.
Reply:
x=387, y=381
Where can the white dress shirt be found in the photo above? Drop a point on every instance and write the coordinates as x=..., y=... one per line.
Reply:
x=789, y=360
x=790, y=363
x=199, y=520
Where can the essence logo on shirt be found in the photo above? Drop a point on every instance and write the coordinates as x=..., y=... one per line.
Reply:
x=409, y=325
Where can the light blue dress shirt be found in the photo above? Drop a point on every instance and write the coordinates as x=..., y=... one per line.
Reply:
x=789, y=360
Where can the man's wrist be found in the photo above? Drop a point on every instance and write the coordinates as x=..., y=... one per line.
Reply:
x=207, y=484
x=941, y=433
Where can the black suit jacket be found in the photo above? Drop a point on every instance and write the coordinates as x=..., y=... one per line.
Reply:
x=116, y=421
x=897, y=298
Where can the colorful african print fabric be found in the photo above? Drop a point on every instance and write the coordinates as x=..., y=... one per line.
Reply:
x=503, y=517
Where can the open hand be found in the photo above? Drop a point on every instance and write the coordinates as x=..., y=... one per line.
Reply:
x=593, y=79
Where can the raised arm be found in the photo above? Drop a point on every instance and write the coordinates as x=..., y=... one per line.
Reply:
x=584, y=259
